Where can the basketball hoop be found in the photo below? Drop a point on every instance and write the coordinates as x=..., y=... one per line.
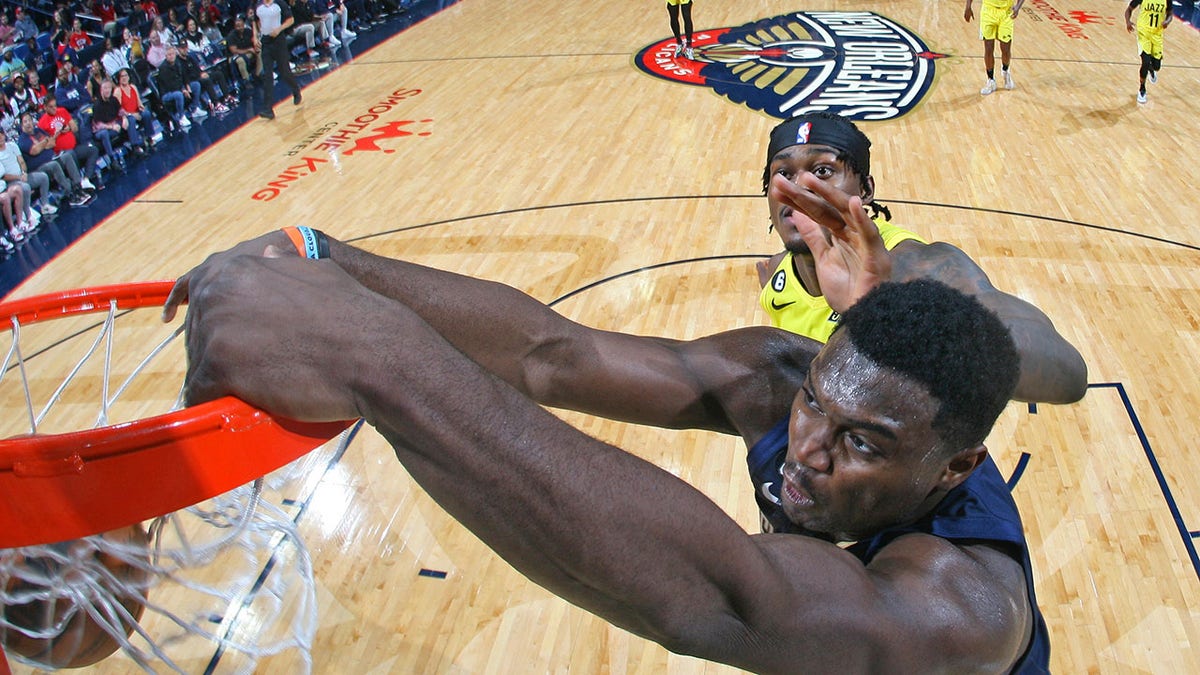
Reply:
x=208, y=476
x=69, y=485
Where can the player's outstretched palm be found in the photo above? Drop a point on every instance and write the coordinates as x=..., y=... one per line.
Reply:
x=846, y=245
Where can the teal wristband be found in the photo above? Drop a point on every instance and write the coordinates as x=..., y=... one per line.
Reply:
x=316, y=244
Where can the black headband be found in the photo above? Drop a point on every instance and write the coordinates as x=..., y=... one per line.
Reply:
x=838, y=134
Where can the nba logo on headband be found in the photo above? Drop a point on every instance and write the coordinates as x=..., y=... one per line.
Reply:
x=802, y=133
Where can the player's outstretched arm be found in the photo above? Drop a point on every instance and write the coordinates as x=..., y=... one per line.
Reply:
x=561, y=363
x=1052, y=370
x=596, y=525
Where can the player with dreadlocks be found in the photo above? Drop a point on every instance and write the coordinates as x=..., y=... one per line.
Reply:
x=823, y=147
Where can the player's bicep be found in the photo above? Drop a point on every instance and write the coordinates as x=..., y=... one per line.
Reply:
x=674, y=383
x=631, y=378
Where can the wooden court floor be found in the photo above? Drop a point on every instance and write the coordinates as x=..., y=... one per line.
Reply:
x=522, y=144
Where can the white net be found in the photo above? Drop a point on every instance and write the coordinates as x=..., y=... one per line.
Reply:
x=224, y=586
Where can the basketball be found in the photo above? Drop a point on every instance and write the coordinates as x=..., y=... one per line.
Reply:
x=80, y=641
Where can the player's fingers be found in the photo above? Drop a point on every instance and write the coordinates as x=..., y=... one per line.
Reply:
x=847, y=212
x=177, y=296
x=818, y=237
x=868, y=243
x=820, y=201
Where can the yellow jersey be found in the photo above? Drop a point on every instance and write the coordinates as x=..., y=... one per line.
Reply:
x=791, y=308
x=1152, y=15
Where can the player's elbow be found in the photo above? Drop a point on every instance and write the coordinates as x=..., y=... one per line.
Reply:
x=1072, y=383
x=1077, y=385
x=1056, y=374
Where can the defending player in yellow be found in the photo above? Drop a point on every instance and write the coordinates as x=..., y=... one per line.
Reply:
x=823, y=147
x=996, y=23
x=1153, y=17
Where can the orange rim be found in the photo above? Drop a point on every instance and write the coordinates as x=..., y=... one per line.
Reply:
x=70, y=485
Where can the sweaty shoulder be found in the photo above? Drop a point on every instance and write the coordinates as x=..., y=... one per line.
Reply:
x=922, y=605
x=967, y=603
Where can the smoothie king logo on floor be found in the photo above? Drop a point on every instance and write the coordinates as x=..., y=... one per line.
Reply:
x=322, y=150
x=857, y=64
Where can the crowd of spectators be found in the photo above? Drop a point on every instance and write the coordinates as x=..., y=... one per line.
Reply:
x=88, y=87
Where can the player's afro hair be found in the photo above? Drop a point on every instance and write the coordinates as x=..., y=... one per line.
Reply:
x=946, y=340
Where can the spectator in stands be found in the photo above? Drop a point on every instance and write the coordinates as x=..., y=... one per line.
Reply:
x=213, y=83
x=342, y=16
x=12, y=166
x=37, y=57
x=211, y=30
x=132, y=46
x=95, y=75
x=8, y=33
x=58, y=124
x=175, y=21
x=24, y=27
x=149, y=9
x=62, y=53
x=109, y=123
x=165, y=35
x=310, y=28
x=60, y=27
x=157, y=53
x=114, y=59
x=199, y=46
x=10, y=125
x=23, y=99
x=38, y=150
x=180, y=95
x=135, y=109
x=11, y=203
x=356, y=11
x=10, y=64
x=303, y=28
x=70, y=92
x=36, y=89
x=378, y=10
x=323, y=19
x=106, y=11
x=243, y=52
x=208, y=10
x=34, y=82
x=78, y=38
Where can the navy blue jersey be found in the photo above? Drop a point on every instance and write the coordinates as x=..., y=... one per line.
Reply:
x=980, y=510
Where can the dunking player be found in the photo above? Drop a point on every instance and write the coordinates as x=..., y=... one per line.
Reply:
x=828, y=149
x=876, y=438
x=996, y=23
x=674, y=7
x=1153, y=17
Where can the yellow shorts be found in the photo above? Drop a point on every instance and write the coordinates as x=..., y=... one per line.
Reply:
x=995, y=24
x=679, y=2
x=1151, y=42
